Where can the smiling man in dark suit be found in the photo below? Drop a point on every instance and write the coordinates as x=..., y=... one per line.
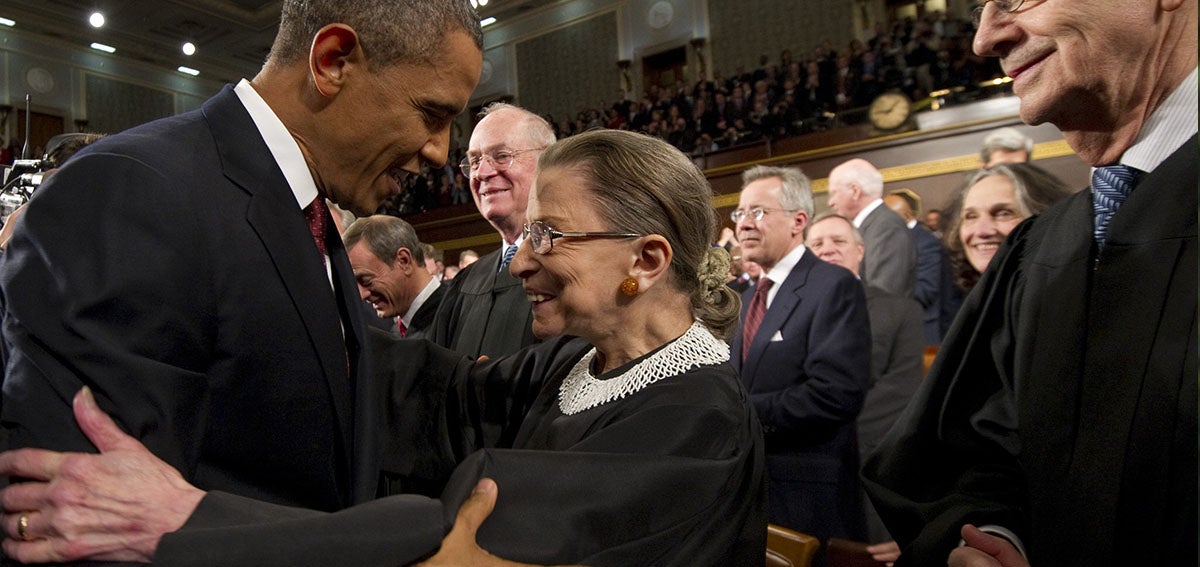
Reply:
x=183, y=272
x=389, y=267
x=803, y=352
x=1058, y=424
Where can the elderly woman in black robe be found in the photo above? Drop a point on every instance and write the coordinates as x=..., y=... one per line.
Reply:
x=625, y=438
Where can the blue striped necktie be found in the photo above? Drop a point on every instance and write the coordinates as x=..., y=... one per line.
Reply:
x=508, y=256
x=1111, y=185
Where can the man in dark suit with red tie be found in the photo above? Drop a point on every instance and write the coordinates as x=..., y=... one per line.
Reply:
x=389, y=267
x=173, y=269
x=803, y=351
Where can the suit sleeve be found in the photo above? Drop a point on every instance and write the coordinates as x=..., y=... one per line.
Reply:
x=102, y=289
x=930, y=259
x=837, y=367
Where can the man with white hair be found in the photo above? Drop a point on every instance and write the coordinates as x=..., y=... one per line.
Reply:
x=856, y=192
x=1058, y=424
x=1006, y=145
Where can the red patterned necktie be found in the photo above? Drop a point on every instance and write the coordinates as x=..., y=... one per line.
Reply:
x=400, y=327
x=317, y=214
x=755, y=313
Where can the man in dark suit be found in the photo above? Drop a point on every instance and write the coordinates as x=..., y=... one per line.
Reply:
x=1058, y=425
x=801, y=351
x=856, y=192
x=187, y=270
x=935, y=289
x=389, y=267
x=896, y=345
x=485, y=311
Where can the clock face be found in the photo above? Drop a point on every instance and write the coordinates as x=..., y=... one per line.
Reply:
x=889, y=111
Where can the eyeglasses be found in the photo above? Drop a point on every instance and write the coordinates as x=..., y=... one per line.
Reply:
x=500, y=159
x=1006, y=6
x=541, y=236
x=756, y=213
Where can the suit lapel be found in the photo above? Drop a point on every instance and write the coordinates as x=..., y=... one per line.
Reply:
x=280, y=225
x=785, y=302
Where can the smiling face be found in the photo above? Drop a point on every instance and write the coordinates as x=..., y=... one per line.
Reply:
x=990, y=211
x=574, y=289
x=503, y=195
x=1080, y=64
x=385, y=122
x=382, y=285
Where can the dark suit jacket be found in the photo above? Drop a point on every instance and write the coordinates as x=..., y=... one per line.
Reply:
x=935, y=289
x=170, y=269
x=890, y=258
x=807, y=388
x=484, y=312
x=1063, y=404
x=897, y=355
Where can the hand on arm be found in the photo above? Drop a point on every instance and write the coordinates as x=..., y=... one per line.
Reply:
x=983, y=550
x=114, y=506
x=459, y=548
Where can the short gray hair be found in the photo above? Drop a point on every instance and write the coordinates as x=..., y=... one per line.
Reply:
x=1007, y=139
x=534, y=128
x=827, y=215
x=384, y=235
x=797, y=189
x=389, y=31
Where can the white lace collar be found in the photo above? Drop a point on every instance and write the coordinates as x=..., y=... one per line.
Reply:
x=697, y=347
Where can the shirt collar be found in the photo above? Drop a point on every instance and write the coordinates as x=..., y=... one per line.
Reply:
x=279, y=140
x=419, y=300
x=862, y=215
x=1169, y=126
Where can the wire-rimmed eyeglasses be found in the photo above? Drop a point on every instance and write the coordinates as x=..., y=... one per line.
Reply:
x=541, y=236
x=500, y=159
x=1006, y=6
x=755, y=214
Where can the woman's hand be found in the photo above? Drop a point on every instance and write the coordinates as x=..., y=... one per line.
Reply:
x=114, y=506
x=984, y=550
x=887, y=552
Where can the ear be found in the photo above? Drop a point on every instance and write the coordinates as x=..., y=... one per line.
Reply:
x=653, y=261
x=404, y=261
x=799, y=223
x=334, y=48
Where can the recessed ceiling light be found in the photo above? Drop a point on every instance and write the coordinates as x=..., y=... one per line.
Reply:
x=188, y=70
x=7, y=22
x=189, y=48
x=96, y=19
x=483, y=2
x=487, y=22
x=104, y=48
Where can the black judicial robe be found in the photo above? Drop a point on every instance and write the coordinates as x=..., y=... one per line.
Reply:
x=669, y=475
x=1063, y=403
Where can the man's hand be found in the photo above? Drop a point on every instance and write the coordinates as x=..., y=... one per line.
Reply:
x=984, y=550
x=114, y=506
x=887, y=552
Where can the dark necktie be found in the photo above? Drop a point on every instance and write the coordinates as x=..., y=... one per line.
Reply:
x=1111, y=185
x=755, y=313
x=317, y=214
x=508, y=256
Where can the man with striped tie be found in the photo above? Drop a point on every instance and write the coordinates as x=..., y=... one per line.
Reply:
x=485, y=311
x=1058, y=426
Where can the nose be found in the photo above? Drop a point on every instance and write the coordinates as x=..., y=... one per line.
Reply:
x=437, y=147
x=363, y=292
x=486, y=168
x=996, y=34
x=523, y=264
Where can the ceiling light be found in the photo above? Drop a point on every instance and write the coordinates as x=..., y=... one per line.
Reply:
x=189, y=48
x=7, y=22
x=96, y=19
x=483, y=2
x=104, y=48
x=188, y=70
x=487, y=22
